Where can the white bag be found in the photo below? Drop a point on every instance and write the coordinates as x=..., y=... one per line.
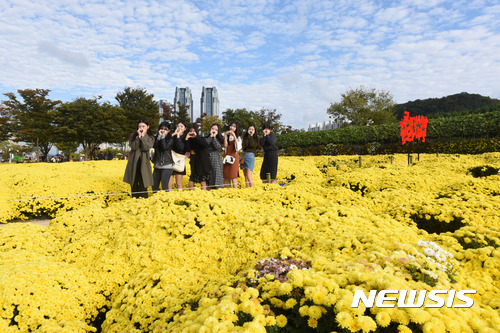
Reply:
x=228, y=159
x=179, y=161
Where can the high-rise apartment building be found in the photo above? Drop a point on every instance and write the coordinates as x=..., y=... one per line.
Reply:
x=184, y=97
x=209, y=101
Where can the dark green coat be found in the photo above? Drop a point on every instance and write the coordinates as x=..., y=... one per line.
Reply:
x=139, y=149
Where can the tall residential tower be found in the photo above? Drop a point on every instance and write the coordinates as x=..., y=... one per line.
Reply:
x=209, y=101
x=184, y=97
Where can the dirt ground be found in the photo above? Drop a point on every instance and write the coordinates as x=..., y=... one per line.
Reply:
x=40, y=222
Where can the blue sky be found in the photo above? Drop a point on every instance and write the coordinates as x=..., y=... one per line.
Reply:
x=293, y=56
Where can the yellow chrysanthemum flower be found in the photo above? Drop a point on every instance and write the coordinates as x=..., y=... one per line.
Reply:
x=281, y=321
x=313, y=323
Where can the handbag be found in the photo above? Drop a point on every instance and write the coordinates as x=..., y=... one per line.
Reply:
x=179, y=161
x=242, y=159
x=229, y=159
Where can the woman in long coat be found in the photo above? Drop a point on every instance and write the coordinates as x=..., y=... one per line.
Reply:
x=270, y=162
x=138, y=172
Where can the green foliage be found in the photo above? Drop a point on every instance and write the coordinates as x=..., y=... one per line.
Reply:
x=243, y=117
x=363, y=107
x=136, y=104
x=259, y=118
x=449, y=106
x=269, y=117
x=88, y=123
x=182, y=114
x=31, y=120
x=167, y=112
x=208, y=121
x=7, y=147
x=67, y=148
x=4, y=123
x=472, y=126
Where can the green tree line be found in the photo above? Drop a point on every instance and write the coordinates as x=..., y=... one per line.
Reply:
x=484, y=125
x=31, y=117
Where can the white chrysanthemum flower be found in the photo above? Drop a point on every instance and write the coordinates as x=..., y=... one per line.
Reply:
x=422, y=243
x=293, y=267
x=440, y=256
x=434, y=246
x=429, y=252
x=431, y=274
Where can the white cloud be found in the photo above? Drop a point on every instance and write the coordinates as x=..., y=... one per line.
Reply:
x=296, y=57
x=73, y=58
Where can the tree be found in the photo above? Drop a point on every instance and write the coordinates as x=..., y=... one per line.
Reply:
x=208, y=121
x=4, y=123
x=67, y=148
x=182, y=114
x=199, y=121
x=243, y=117
x=257, y=118
x=167, y=112
x=88, y=123
x=270, y=117
x=7, y=148
x=363, y=107
x=136, y=104
x=31, y=118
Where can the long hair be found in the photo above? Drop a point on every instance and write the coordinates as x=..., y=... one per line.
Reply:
x=219, y=134
x=144, y=121
x=183, y=136
x=237, y=132
x=254, y=136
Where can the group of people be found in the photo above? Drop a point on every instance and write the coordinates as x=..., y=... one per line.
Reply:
x=215, y=160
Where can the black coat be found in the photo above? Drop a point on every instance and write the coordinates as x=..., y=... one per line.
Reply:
x=268, y=143
x=162, y=155
x=200, y=157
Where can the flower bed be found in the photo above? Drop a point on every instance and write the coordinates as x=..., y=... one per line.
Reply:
x=275, y=258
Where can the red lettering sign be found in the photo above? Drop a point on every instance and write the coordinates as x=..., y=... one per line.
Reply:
x=413, y=128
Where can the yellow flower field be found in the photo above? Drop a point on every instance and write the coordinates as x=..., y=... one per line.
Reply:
x=272, y=258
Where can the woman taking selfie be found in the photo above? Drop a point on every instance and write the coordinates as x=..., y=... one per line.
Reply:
x=138, y=171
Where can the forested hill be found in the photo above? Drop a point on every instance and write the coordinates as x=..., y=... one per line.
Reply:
x=452, y=105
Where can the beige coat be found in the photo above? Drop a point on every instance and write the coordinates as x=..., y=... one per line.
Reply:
x=139, y=149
